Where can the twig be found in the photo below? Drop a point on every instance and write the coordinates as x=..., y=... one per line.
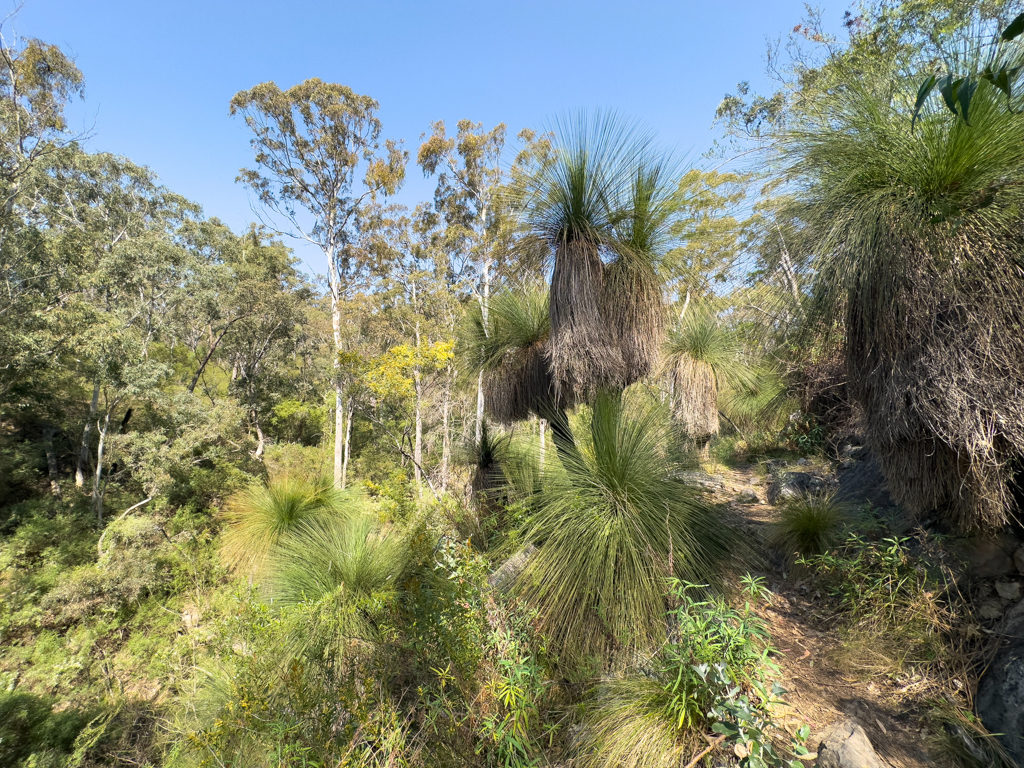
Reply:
x=700, y=755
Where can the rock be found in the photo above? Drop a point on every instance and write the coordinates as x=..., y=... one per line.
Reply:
x=748, y=497
x=1008, y=590
x=793, y=485
x=987, y=557
x=861, y=481
x=845, y=745
x=803, y=462
x=1018, y=559
x=1000, y=699
x=991, y=610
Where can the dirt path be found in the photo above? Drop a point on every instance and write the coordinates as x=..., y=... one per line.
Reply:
x=820, y=692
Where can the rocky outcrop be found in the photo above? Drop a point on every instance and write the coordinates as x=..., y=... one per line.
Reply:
x=846, y=745
x=1000, y=700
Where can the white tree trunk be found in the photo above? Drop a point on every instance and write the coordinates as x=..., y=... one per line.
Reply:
x=446, y=431
x=51, y=461
x=339, y=394
x=349, y=410
x=97, y=492
x=83, y=451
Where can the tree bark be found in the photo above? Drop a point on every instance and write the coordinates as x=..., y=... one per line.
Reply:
x=83, y=451
x=349, y=411
x=97, y=491
x=51, y=460
x=446, y=436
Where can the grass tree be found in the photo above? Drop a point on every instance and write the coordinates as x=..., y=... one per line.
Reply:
x=261, y=515
x=917, y=233
x=704, y=358
x=614, y=521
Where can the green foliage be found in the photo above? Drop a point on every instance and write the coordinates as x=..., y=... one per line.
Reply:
x=611, y=524
x=809, y=525
x=261, y=514
x=888, y=601
x=715, y=672
x=31, y=733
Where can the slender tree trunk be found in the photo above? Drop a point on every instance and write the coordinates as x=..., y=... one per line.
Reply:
x=51, y=460
x=202, y=366
x=97, y=490
x=349, y=411
x=446, y=436
x=261, y=438
x=485, y=314
x=417, y=448
x=83, y=451
x=339, y=396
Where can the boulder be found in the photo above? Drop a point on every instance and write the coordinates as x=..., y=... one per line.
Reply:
x=1000, y=699
x=1018, y=559
x=1008, y=590
x=748, y=497
x=861, y=481
x=846, y=745
x=988, y=557
x=793, y=485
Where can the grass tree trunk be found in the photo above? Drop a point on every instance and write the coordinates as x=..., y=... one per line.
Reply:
x=83, y=451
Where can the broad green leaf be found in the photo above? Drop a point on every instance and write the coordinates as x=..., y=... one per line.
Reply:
x=922, y=95
x=1015, y=29
x=948, y=88
x=964, y=94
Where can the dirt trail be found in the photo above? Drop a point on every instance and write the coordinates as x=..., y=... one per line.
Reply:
x=820, y=692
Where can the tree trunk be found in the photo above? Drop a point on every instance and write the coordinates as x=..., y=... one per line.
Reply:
x=51, y=460
x=446, y=437
x=485, y=314
x=339, y=411
x=261, y=439
x=417, y=448
x=349, y=411
x=97, y=491
x=83, y=451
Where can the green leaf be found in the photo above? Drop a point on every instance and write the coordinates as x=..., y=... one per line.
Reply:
x=948, y=87
x=1014, y=30
x=922, y=95
x=964, y=94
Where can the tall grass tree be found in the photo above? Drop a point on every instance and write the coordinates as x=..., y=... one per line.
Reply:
x=918, y=240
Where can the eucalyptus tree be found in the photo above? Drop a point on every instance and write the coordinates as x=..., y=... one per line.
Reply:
x=318, y=148
x=472, y=173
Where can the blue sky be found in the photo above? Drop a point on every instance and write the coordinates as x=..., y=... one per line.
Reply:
x=159, y=75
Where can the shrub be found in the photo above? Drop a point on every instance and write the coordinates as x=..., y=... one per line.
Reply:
x=715, y=673
x=809, y=526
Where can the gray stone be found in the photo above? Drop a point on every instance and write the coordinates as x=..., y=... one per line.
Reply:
x=1008, y=590
x=1000, y=699
x=991, y=610
x=1018, y=559
x=748, y=497
x=846, y=745
x=987, y=557
x=803, y=462
x=861, y=481
x=793, y=485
